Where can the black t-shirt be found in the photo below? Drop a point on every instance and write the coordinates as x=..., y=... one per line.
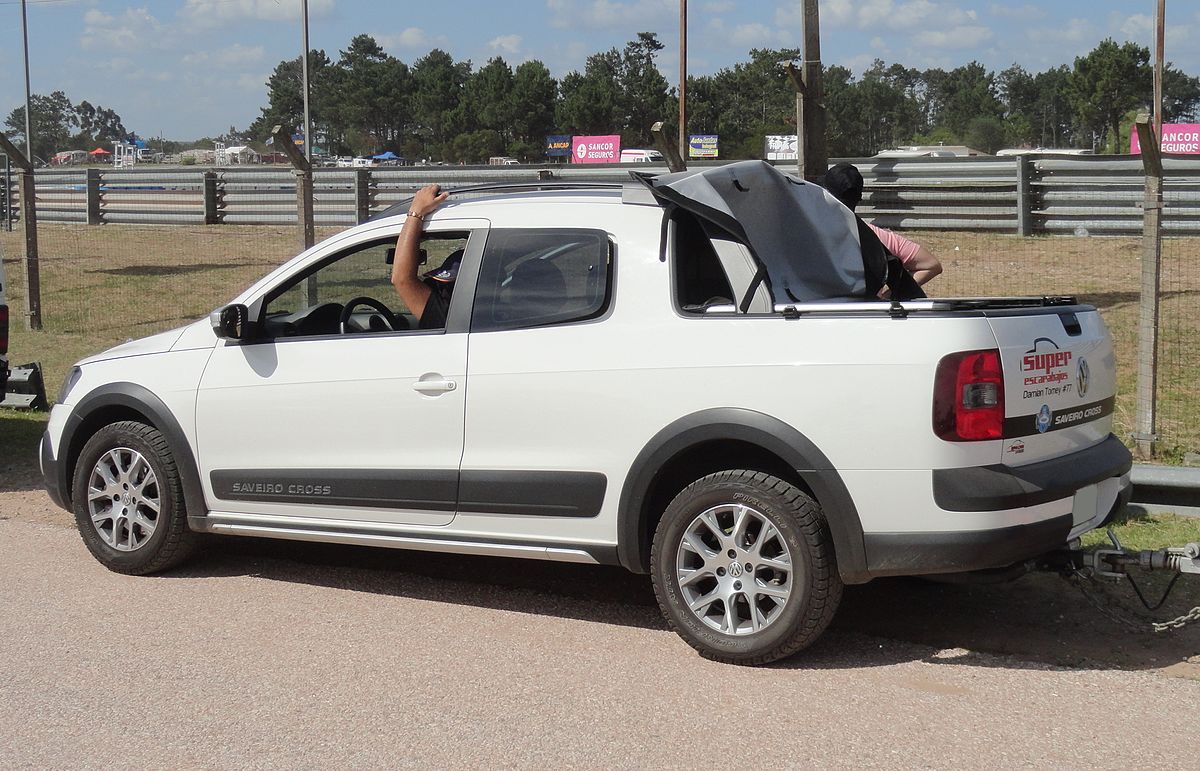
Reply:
x=437, y=306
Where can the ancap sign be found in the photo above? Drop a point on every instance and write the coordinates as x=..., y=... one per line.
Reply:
x=558, y=145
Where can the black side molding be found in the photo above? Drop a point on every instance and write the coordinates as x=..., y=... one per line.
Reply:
x=513, y=493
x=998, y=487
x=532, y=493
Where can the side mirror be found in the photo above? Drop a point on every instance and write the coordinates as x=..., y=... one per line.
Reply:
x=231, y=322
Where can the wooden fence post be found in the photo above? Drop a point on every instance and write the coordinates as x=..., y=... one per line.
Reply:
x=362, y=195
x=1145, y=427
x=212, y=199
x=28, y=198
x=282, y=137
x=92, y=187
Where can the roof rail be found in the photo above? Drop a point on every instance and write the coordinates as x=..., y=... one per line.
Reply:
x=505, y=187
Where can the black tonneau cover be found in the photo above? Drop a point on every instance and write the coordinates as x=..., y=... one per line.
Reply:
x=807, y=241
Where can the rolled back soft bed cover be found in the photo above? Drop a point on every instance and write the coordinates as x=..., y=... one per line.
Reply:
x=807, y=241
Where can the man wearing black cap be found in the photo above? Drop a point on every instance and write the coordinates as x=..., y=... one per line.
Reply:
x=845, y=183
x=428, y=296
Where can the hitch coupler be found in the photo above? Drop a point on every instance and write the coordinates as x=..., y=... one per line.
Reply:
x=1114, y=562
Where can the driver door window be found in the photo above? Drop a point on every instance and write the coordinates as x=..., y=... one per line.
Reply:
x=315, y=302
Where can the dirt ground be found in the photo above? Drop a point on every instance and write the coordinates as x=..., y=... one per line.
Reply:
x=1039, y=618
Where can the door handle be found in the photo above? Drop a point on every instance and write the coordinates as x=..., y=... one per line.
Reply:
x=434, y=386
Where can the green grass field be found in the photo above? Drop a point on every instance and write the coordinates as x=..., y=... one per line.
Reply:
x=105, y=284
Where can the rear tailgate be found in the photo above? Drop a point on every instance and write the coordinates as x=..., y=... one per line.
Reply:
x=1059, y=381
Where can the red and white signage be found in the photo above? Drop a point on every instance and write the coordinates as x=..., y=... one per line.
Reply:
x=1176, y=138
x=605, y=149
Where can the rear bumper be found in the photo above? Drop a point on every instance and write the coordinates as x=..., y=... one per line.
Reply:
x=999, y=487
x=914, y=554
x=1050, y=486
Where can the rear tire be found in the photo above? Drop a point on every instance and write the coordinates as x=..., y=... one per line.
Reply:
x=128, y=500
x=744, y=569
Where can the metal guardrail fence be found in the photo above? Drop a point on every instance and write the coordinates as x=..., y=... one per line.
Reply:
x=1028, y=195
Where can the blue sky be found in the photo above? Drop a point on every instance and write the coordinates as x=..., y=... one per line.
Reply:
x=191, y=68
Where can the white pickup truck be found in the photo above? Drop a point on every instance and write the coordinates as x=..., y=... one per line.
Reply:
x=687, y=375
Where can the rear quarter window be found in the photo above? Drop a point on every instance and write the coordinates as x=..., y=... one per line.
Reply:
x=537, y=277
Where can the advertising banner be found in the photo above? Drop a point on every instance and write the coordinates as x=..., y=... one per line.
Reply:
x=702, y=146
x=558, y=145
x=605, y=149
x=781, y=148
x=1176, y=138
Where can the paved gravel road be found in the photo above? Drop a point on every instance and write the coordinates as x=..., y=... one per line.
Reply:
x=266, y=654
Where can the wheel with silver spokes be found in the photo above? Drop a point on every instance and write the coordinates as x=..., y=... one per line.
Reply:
x=123, y=499
x=743, y=567
x=128, y=500
x=734, y=569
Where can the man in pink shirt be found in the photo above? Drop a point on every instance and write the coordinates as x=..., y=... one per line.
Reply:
x=845, y=183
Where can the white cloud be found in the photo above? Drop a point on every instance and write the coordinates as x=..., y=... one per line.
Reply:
x=253, y=83
x=413, y=38
x=611, y=14
x=884, y=14
x=754, y=35
x=1136, y=27
x=506, y=44
x=218, y=12
x=958, y=37
x=135, y=29
x=234, y=56
x=1074, y=31
x=1018, y=12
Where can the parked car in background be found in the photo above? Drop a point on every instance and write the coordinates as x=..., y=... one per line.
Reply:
x=642, y=156
x=503, y=160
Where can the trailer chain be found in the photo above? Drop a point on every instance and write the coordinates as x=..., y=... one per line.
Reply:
x=1084, y=582
x=1180, y=622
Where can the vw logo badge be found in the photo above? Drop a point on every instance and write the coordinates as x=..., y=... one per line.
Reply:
x=1082, y=377
x=1043, y=419
x=735, y=569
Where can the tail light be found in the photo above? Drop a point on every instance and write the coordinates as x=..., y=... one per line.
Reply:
x=3, y=329
x=968, y=397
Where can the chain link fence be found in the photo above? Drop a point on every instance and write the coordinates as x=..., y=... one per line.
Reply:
x=137, y=273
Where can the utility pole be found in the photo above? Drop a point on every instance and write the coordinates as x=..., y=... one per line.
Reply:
x=28, y=132
x=683, y=137
x=811, y=152
x=1159, y=51
x=304, y=75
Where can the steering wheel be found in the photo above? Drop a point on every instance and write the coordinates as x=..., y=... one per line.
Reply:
x=371, y=303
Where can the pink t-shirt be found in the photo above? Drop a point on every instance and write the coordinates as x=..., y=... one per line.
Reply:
x=904, y=248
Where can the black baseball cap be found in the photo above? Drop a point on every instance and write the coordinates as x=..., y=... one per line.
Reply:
x=448, y=271
x=845, y=183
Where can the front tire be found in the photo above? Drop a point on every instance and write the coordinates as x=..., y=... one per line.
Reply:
x=743, y=567
x=128, y=500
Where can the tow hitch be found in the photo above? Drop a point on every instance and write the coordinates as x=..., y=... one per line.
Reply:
x=1086, y=567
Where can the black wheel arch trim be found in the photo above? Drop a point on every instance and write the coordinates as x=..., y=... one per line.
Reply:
x=762, y=430
x=142, y=400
